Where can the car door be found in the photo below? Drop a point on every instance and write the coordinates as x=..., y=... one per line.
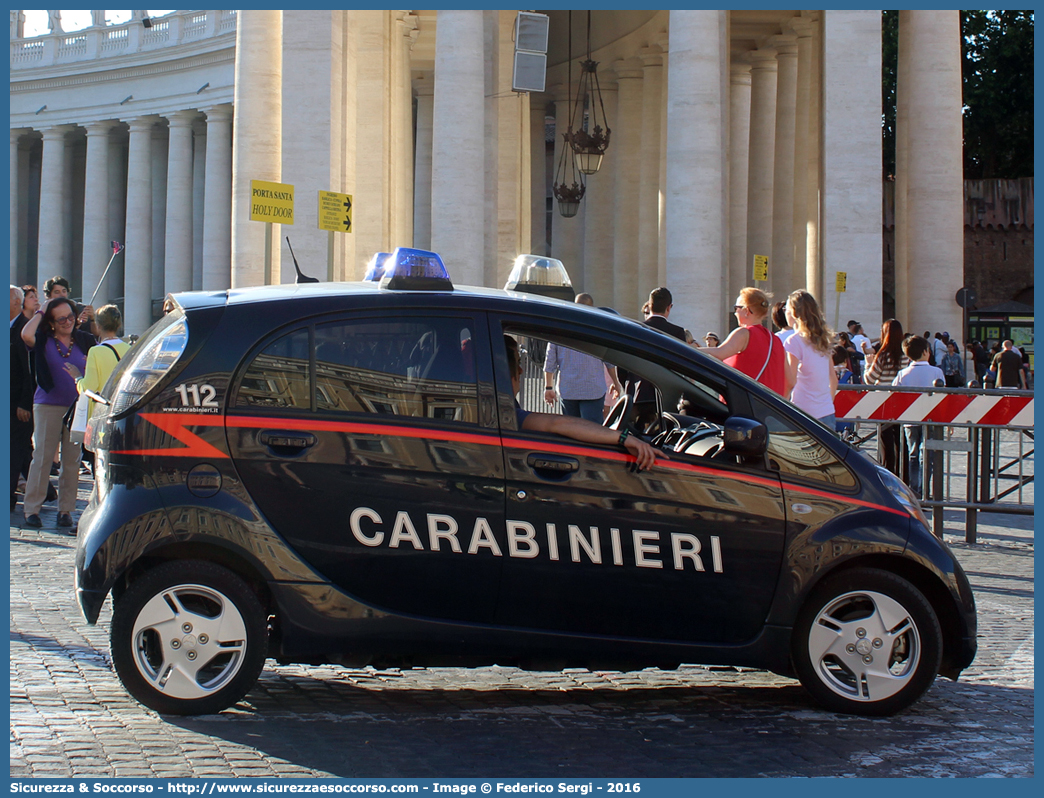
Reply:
x=689, y=550
x=369, y=442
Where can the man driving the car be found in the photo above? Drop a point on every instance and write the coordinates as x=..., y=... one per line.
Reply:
x=570, y=426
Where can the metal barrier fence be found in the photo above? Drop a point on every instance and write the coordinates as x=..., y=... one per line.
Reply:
x=976, y=446
x=531, y=394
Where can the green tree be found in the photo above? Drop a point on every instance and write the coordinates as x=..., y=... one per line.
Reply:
x=997, y=73
x=997, y=51
x=889, y=71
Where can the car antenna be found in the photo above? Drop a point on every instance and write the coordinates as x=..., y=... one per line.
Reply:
x=301, y=278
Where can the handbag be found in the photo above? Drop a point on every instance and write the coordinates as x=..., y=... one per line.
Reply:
x=78, y=423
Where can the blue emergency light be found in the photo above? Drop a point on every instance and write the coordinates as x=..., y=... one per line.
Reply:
x=375, y=268
x=415, y=270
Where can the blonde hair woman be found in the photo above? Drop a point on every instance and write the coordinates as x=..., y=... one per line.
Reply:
x=751, y=348
x=811, y=378
x=102, y=359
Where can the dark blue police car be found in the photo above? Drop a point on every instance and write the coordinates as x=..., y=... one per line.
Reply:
x=335, y=473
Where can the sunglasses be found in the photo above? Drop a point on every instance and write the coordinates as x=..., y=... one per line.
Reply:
x=64, y=319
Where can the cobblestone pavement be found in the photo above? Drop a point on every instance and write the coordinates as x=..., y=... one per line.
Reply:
x=71, y=717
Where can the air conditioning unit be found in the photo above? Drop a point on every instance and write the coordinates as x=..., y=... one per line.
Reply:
x=530, y=70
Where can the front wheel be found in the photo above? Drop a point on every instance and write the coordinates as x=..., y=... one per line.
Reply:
x=188, y=638
x=867, y=642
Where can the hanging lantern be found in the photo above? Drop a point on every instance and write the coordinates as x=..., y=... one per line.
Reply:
x=590, y=130
x=568, y=187
x=590, y=138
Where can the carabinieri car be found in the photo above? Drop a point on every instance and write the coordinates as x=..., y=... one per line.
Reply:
x=335, y=473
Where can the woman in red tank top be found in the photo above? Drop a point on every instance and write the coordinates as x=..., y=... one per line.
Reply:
x=751, y=347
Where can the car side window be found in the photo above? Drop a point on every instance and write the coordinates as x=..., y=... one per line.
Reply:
x=416, y=367
x=795, y=453
x=278, y=376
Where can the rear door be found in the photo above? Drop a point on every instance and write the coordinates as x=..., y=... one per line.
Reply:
x=369, y=442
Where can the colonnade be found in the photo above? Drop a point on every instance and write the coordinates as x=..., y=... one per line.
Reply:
x=170, y=212
x=732, y=135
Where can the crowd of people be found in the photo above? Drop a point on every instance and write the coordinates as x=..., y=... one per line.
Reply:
x=55, y=356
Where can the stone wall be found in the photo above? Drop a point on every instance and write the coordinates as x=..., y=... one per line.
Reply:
x=998, y=242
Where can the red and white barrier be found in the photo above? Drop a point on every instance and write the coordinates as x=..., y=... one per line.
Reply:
x=936, y=407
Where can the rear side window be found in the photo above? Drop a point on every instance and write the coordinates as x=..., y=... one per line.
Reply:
x=278, y=376
x=416, y=367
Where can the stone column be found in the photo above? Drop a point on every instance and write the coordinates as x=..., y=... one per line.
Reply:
x=137, y=278
x=217, y=201
x=739, y=159
x=781, y=276
x=402, y=127
x=119, y=139
x=374, y=192
x=159, y=209
x=20, y=210
x=177, y=262
x=312, y=74
x=762, y=159
x=627, y=139
x=257, y=134
x=696, y=269
x=851, y=236
x=458, y=146
x=663, y=42
x=649, y=172
x=508, y=115
x=199, y=177
x=567, y=235
x=902, y=165
x=600, y=203
x=935, y=190
x=538, y=173
x=803, y=29
x=15, y=202
x=424, y=86
x=813, y=201
x=96, y=240
x=52, y=232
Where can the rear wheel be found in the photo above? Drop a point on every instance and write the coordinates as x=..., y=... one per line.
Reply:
x=867, y=642
x=188, y=638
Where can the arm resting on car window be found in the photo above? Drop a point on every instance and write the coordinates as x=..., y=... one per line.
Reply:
x=582, y=430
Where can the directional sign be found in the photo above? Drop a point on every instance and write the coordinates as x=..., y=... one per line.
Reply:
x=840, y=282
x=335, y=212
x=271, y=202
x=760, y=267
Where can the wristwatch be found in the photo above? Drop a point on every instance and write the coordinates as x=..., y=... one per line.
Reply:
x=623, y=436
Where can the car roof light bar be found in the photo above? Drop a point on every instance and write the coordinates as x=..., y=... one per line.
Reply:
x=375, y=268
x=415, y=270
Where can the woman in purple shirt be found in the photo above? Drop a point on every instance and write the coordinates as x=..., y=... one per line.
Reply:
x=53, y=340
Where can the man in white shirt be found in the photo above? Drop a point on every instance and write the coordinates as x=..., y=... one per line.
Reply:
x=919, y=374
x=864, y=346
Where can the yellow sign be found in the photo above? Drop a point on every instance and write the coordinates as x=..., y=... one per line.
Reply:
x=335, y=212
x=760, y=267
x=840, y=282
x=271, y=202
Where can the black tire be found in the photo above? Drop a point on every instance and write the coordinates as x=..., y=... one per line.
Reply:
x=188, y=638
x=854, y=618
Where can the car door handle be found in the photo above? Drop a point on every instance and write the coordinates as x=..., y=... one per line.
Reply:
x=552, y=463
x=286, y=439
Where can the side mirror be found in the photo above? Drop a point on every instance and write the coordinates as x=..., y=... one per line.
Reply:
x=745, y=437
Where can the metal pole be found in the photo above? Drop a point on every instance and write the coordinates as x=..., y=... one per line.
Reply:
x=268, y=253
x=971, y=522
x=330, y=256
